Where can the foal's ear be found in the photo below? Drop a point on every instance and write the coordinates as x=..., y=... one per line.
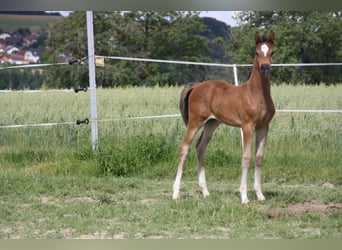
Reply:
x=271, y=37
x=257, y=38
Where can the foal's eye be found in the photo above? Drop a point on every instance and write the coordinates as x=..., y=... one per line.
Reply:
x=272, y=53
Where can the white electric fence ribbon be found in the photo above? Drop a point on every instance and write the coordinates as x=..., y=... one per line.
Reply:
x=156, y=117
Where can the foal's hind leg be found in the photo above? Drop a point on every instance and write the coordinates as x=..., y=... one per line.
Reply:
x=183, y=152
x=201, y=147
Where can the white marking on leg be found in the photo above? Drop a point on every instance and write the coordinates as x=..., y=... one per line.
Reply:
x=260, y=144
x=257, y=183
x=243, y=185
x=176, y=186
x=248, y=131
x=177, y=183
x=264, y=49
x=202, y=182
x=201, y=146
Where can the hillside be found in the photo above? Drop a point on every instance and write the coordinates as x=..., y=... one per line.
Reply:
x=32, y=20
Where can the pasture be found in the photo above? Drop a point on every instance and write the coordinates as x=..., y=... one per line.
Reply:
x=10, y=23
x=53, y=186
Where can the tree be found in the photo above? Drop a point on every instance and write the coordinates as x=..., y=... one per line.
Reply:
x=218, y=35
x=24, y=31
x=163, y=35
x=301, y=36
x=153, y=34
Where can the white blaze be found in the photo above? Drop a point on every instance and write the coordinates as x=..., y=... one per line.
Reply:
x=264, y=49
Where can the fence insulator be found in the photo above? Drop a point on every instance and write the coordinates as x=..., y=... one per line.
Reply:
x=85, y=121
x=78, y=60
x=80, y=89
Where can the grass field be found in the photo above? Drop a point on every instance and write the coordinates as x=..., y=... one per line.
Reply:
x=53, y=186
x=10, y=23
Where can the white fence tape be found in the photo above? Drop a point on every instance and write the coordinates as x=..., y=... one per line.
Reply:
x=166, y=61
x=37, y=125
x=217, y=64
x=33, y=65
x=36, y=90
x=311, y=111
x=156, y=117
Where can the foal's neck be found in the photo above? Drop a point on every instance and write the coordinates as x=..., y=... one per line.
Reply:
x=259, y=81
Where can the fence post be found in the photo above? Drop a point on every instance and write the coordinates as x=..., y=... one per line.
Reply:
x=236, y=82
x=92, y=81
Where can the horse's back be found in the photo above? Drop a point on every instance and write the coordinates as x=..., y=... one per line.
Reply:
x=217, y=99
x=208, y=91
x=212, y=86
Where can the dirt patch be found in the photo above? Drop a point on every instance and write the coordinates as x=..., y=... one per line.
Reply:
x=302, y=208
x=147, y=201
x=48, y=200
x=83, y=199
x=100, y=235
x=93, y=236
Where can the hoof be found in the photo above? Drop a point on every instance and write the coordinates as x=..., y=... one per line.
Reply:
x=245, y=202
x=205, y=194
x=261, y=199
x=175, y=198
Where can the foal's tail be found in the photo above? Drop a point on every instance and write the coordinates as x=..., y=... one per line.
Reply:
x=184, y=101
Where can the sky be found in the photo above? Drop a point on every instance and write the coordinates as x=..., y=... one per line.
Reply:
x=224, y=16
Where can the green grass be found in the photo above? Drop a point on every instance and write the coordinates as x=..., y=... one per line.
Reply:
x=53, y=186
x=82, y=207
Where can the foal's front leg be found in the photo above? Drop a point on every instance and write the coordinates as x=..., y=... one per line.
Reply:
x=260, y=144
x=248, y=131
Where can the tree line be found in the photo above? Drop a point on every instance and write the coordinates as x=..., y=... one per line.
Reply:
x=301, y=37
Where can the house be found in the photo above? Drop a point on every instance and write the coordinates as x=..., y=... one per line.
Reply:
x=29, y=40
x=10, y=49
x=17, y=57
x=31, y=58
x=4, y=36
x=23, y=57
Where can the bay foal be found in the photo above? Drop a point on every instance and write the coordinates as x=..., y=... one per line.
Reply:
x=249, y=106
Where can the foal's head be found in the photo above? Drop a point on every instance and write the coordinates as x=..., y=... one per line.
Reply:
x=264, y=51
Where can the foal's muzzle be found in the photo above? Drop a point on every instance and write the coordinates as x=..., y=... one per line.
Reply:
x=265, y=68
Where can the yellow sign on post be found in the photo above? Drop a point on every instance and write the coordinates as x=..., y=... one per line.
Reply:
x=99, y=61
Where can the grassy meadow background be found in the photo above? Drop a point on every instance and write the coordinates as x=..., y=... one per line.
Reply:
x=53, y=186
x=11, y=23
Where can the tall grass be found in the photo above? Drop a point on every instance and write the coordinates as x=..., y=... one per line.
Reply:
x=301, y=147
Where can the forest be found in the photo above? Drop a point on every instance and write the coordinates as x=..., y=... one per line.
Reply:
x=301, y=37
